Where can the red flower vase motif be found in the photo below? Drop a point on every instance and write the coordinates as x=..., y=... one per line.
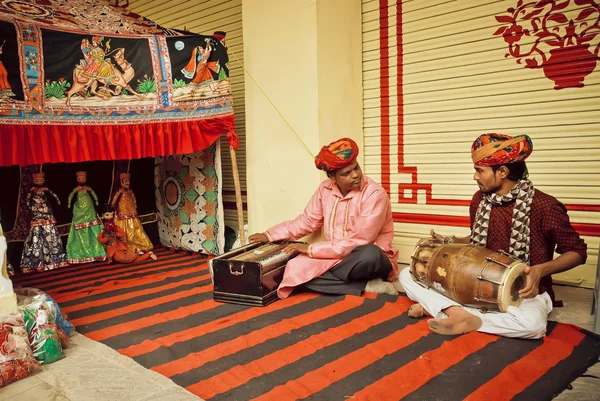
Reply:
x=569, y=66
x=547, y=35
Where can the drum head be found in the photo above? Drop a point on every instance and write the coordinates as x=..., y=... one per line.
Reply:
x=421, y=256
x=514, y=280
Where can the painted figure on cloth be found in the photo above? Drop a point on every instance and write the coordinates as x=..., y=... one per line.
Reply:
x=5, y=89
x=82, y=244
x=113, y=239
x=198, y=69
x=127, y=218
x=43, y=248
x=507, y=213
x=93, y=54
x=99, y=70
x=356, y=217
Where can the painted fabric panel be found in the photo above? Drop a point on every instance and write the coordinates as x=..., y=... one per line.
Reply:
x=71, y=94
x=188, y=200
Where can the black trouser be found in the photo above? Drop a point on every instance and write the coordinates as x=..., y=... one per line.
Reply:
x=350, y=276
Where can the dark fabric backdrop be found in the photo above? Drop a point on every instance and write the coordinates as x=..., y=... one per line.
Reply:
x=60, y=178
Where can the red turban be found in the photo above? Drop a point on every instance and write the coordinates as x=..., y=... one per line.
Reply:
x=337, y=154
x=497, y=149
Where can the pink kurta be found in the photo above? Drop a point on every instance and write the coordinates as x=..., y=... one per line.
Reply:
x=360, y=218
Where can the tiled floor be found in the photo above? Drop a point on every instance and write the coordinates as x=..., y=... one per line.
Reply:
x=92, y=371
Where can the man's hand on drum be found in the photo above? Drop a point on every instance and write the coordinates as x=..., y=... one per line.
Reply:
x=258, y=237
x=293, y=248
x=532, y=282
x=449, y=239
x=444, y=238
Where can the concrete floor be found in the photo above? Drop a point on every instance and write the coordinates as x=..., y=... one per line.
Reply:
x=92, y=371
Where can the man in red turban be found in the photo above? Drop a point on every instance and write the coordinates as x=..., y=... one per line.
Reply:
x=356, y=217
x=507, y=214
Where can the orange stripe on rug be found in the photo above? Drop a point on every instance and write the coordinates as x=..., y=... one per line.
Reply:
x=210, y=327
x=141, y=305
x=129, y=295
x=517, y=376
x=317, y=380
x=40, y=279
x=122, y=284
x=241, y=374
x=425, y=368
x=104, y=277
x=157, y=318
x=197, y=359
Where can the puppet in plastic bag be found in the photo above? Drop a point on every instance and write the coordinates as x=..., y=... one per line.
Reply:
x=113, y=237
x=40, y=323
x=28, y=295
x=16, y=357
x=43, y=248
x=82, y=244
x=127, y=218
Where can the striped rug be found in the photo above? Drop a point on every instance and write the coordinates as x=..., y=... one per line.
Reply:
x=309, y=346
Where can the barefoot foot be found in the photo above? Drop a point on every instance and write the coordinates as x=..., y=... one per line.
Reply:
x=381, y=287
x=416, y=311
x=451, y=326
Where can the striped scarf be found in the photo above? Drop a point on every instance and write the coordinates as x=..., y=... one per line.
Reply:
x=522, y=193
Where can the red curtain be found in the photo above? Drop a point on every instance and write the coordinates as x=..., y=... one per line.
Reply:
x=37, y=144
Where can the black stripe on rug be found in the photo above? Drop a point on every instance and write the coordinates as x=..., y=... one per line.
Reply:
x=179, y=350
x=275, y=344
x=263, y=384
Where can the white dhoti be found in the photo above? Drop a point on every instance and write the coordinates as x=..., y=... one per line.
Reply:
x=527, y=321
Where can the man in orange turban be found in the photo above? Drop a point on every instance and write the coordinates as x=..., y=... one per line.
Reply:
x=508, y=214
x=356, y=217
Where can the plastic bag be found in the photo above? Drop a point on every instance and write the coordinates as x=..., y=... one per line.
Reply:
x=61, y=319
x=16, y=357
x=42, y=331
x=27, y=295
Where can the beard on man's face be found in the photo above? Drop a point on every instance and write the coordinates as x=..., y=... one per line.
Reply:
x=489, y=190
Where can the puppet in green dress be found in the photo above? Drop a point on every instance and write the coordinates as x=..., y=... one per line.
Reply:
x=82, y=244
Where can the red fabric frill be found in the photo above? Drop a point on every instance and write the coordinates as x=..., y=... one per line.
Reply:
x=36, y=144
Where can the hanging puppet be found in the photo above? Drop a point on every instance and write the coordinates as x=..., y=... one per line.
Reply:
x=82, y=244
x=127, y=218
x=43, y=248
x=112, y=238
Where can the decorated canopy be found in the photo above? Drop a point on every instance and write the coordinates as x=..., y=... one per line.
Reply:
x=82, y=80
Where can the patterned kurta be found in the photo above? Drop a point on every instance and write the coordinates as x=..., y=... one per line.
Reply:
x=43, y=248
x=82, y=244
x=550, y=229
x=359, y=218
x=127, y=219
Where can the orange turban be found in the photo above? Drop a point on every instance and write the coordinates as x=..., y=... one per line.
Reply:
x=337, y=154
x=497, y=149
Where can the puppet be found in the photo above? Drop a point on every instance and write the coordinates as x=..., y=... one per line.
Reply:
x=82, y=244
x=127, y=219
x=113, y=238
x=43, y=248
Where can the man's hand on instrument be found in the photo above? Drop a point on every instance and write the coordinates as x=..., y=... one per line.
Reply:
x=444, y=238
x=532, y=282
x=293, y=248
x=258, y=237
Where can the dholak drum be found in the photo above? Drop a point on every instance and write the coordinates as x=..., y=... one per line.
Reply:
x=470, y=275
